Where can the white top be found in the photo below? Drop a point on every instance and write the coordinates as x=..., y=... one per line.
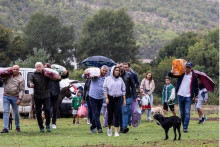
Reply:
x=146, y=85
x=184, y=89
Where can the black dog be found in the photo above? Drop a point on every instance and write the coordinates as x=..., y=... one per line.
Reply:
x=10, y=123
x=168, y=122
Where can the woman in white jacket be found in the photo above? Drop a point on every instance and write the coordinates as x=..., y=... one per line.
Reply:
x=147, y=87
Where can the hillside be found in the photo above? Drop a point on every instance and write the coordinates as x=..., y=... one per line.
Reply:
x=156, y=22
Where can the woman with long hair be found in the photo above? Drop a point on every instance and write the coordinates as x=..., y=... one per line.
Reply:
x=147, y=88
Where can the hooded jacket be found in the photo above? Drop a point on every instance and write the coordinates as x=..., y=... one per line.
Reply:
x=129, y=84
x=114, y=86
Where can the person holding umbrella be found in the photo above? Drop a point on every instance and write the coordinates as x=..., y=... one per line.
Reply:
x=187, y=90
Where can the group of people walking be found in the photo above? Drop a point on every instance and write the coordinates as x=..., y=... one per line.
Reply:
x=118, y=89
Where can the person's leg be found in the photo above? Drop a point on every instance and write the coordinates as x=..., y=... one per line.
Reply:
x=181, y=101
x=55, y=107
x=77, y=119
x=38, y=106
x=89, y=108
x=129, y=100
x=165, y=108
x=95, y=112
x=46, y=103
x=15, y=108
x=117, y=116
x=6, y=107
x=172, y=110
x=99, y=105
x=110, y=109
x=149, y=110
x=124, y=116
x=187, y=112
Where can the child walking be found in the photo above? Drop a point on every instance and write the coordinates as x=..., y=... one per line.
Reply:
x=168, y=97
x=76, y=103
x=202, y=96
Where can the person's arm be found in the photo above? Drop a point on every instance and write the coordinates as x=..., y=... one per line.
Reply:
x=142, y=86
x=31, y=81
x=170, y=74
x=152, y=88
x=196, y=87
x=105, y=87
x=172, y=96
x=133, y=88
x=1, y=82
x=22, y=89
x=123, y=88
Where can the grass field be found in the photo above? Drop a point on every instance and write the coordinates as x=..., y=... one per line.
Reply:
x=146, y=134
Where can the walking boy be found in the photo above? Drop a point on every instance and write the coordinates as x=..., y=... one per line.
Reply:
x=76, y=103
x=168, y=97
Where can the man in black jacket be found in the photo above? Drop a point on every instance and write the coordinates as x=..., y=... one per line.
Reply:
x=186, y=89
x=40, y=83
x=131, y=94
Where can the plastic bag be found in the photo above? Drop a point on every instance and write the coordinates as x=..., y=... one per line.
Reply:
x=136, y=113
x=145, y=102
x=6, y=72
x=93, y=72
x=50, y=73
x=60, y=69
x=82, y=111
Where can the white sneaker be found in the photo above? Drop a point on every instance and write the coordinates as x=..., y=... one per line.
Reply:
x=116, y=134
x=54, y=126
x=150, y=119
x=109, y=132
x=88, y=122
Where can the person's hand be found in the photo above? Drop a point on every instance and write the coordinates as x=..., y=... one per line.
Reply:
x=107, y=101
x=72, y=108
x=124, y=102
x=172, y=71
x=86, y=72
x=31, y=85
x=168, y=101
x=195, y=99
x=58, y=77
x=205, y=101
x=82, y=101
x=18, y=102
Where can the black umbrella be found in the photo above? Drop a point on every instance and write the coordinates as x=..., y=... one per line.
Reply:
x=98, y=61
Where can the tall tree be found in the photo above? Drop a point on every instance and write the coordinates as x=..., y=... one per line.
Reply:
x=46, y=31
x=108, y=33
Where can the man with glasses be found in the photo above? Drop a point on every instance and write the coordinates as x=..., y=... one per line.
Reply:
x=13, y=94
x=186, y=89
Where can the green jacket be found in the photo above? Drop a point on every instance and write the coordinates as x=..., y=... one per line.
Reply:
x=76, y=102
x=170, y=94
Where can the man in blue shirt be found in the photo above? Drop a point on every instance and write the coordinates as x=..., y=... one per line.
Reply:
x=96, y=98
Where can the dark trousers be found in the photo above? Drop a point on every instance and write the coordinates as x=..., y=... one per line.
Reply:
x=96, y=106
x=53, y=108
x=114, y=109
x=46, y=107
x=89, y=111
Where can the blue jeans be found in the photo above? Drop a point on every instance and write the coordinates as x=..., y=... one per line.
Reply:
x=126, y=112
x=185, y=106
x=96, y=106
x=7, y=100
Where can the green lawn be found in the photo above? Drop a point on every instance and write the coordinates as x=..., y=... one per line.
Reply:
x=146, y=134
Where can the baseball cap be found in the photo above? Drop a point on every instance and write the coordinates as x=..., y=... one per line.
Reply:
x=189, y=64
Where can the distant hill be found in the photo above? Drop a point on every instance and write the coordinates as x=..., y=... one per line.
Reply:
x=156, y=21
